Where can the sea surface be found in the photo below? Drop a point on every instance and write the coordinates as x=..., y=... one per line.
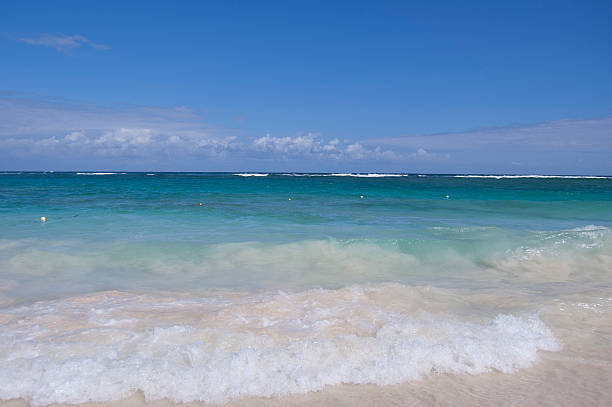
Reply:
x=301, y=289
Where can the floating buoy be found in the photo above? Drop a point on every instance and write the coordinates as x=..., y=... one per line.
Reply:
x=447, y=196
x=289, y=199
x=361, y=196
x=43, y=219
x=201, y=204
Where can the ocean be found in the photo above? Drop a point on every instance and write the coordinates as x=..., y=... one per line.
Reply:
x=302, y=289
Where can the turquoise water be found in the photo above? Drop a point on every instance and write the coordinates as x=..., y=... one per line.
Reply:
x=121, y=230
x=275, y=276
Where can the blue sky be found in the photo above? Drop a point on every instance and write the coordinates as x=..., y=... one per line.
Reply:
x=504, y=87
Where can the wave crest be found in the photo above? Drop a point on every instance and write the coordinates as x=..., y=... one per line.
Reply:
x=221, y=348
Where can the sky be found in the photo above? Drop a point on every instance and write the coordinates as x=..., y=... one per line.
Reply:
x=438, y=86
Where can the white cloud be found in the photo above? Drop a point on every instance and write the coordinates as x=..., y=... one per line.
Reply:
x=356, y=150
x=35, y=130
x=422, y=154
x=124, y=138
x=61, y=129
x=307, y=144
x=359, y=152
x=48, y=134
x=313, y=145
x=75, y=137
x=62, y=42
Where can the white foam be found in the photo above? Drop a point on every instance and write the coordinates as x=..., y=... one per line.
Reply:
x=255, y=174
x=99, y=173
x=591, y=228
x=533, y=176
x=370, y=175
x=106, y=346
x=586, y=237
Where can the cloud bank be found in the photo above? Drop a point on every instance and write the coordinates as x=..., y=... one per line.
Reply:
x=65, y=136
x=38, y=134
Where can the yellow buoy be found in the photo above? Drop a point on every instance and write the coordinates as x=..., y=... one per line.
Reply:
x=43, y=219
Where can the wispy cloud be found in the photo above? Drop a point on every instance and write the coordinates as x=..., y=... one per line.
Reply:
x=560, y=135
x=61, y=42
x=561, y=146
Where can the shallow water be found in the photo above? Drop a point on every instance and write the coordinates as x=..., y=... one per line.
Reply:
x=282, y=285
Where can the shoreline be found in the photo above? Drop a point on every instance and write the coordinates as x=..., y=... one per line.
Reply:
x=581, y=372
x=554, y=381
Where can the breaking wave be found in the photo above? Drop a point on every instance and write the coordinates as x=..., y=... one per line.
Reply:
x=218, y=348
x=534, y=176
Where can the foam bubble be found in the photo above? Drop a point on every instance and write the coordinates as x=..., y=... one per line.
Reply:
x=106, y=346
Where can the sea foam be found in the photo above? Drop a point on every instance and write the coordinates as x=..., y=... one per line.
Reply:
x=99, y=173
x=534, y=176
x=106, y=346
x=369, y=175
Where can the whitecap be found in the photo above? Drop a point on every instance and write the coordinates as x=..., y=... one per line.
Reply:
x=533, y=176
x=99, y=173
x=368, y=175
x=105, y=346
